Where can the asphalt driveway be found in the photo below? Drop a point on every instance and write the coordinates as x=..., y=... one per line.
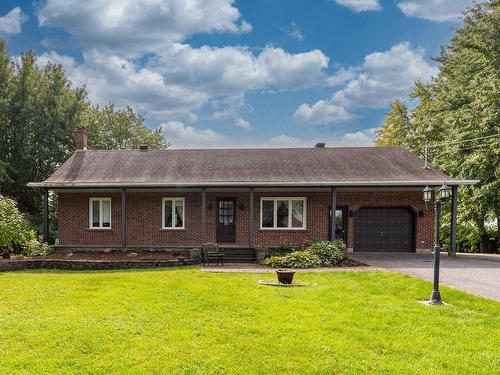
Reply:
x=476, y=276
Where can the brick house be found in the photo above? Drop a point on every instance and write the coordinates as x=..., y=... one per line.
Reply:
x=244, y=198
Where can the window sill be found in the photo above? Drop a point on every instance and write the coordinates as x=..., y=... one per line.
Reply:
x=100, y=228
x=283, y=229
x=173, y=229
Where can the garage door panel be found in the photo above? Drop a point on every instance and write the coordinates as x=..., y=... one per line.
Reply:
x=384, y=230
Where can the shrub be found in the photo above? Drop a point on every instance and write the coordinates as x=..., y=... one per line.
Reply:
x=328, y=252
x=14, y=229
x=36, y=248
x=297, y=259
x=280, y=250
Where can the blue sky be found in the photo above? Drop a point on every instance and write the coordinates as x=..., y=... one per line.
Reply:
x=222, y=73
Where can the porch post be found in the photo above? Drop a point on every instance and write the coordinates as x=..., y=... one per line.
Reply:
x=250, y=217
x=203, y=229
x=453, y=232
x=45, y=221
x=334, y=207
x=124, y=219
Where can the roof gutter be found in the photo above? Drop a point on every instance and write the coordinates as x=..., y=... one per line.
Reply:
x=246, y=184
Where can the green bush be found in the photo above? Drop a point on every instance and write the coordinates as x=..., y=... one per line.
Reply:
x=16, y=236
x=34, y=248
x=281, y=250
x=329, y=252
x=297, y=259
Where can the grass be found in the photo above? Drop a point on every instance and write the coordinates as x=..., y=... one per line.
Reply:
x=185, y=321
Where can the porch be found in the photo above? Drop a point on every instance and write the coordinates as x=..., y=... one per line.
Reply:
x=240, y=219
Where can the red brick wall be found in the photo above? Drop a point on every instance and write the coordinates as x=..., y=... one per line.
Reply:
x=74, y=220
x=145, y=215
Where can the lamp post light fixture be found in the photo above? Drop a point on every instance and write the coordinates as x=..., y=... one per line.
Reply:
x=444, y=194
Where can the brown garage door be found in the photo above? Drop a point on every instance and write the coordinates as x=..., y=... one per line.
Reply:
x=384, y=230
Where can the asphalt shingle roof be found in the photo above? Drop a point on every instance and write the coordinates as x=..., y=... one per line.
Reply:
x=308, y=166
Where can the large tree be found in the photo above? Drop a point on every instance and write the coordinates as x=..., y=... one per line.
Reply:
x=109, y=128
x=458, y=114
x=39, y=111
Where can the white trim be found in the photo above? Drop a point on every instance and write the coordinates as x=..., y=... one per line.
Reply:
x=173, y=199
x=290, y=213
x=439, y=182
x=100, y=200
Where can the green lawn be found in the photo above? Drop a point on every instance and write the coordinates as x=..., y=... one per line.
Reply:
x=185, y=321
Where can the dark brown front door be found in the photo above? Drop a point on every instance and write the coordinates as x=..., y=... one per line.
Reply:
x=226, y=229
x=387, y=229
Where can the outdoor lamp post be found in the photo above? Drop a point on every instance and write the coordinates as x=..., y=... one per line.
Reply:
x=444, y=193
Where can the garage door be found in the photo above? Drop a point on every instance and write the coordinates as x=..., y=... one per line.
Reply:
x=384, y=230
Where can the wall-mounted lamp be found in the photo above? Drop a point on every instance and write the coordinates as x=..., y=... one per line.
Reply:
x=421, y=213
x=242, y=206
x=351, y=213
x=210, y=206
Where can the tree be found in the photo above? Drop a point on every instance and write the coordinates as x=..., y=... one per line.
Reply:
x=39, y=111
x=396, y=129
x=460, y=109
x=15, y=233
x=109, y=128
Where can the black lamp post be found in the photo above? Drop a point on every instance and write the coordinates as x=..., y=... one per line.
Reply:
x=444, y=193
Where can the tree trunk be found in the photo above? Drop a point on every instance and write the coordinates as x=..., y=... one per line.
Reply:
x=484, y=243
x=484, y=239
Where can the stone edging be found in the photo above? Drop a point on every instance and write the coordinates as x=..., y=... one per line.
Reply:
x=24, y=264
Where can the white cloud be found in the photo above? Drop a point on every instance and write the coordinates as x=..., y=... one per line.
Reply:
x=385, y=76
x=136, y=27
x=322, y=112
x=340, y=77
x=11, y=23
x=360, y=5
x=242, y=123
x=293, y=31
x=230, y=70
x=292, y=71
x=229, y=107
x=180, y=135
x=360, y=138
x=381, y=78
x=435, y=10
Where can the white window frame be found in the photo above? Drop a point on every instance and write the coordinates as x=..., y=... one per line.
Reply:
x=173, y=199
x=100, y=200
x=290, y=213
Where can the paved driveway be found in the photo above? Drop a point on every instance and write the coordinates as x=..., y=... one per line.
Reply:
x=476, y=276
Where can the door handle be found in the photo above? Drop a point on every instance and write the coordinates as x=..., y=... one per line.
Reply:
x=382, y=234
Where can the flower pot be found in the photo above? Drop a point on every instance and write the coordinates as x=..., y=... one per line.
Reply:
x=285, y=276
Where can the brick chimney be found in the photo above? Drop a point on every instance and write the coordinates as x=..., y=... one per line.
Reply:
x=81, y=138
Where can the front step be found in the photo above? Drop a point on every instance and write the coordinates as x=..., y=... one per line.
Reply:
x=239, y=255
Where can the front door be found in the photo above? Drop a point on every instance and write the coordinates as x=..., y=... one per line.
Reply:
x=226, y=229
